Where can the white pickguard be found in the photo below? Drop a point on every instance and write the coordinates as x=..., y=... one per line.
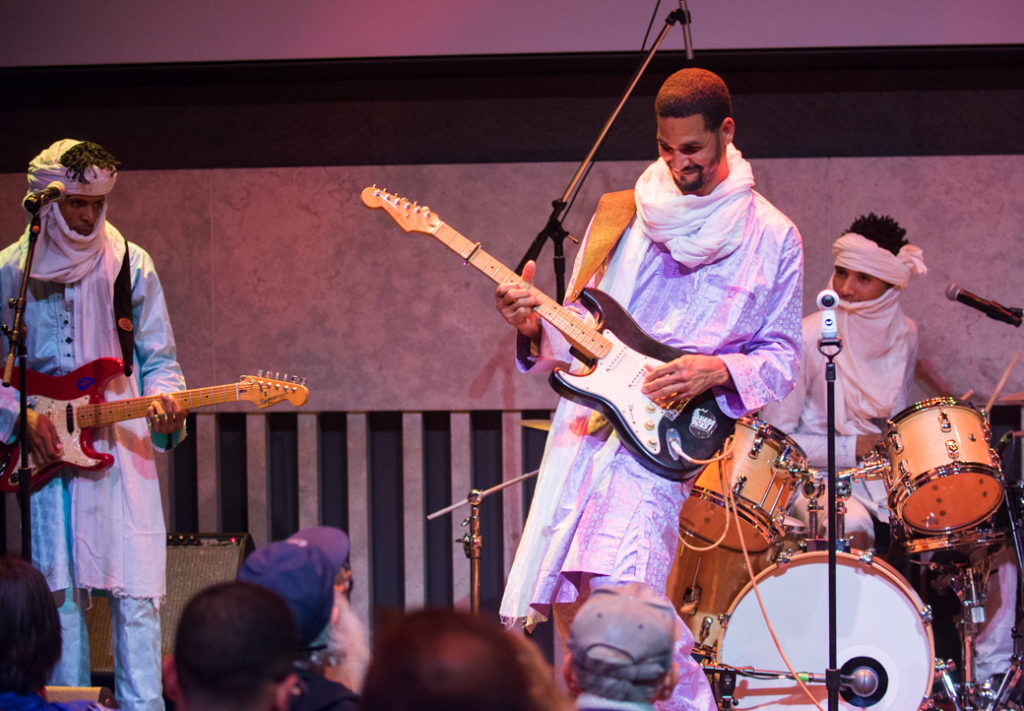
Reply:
x=617, y=378
x=71, y=441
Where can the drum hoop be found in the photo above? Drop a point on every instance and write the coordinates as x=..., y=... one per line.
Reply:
x=853, y=557
x=922, y=405
x=772, y=433
x=987, y=537
x=905, y=486
x=760, y=522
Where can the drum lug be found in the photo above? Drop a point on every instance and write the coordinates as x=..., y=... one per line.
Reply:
x=896, y=441
x=756, y=445
x=741, y=481
x=902, y=468
x=953, y=449
x=944, y=423
x=868, y=556
x=723, y=620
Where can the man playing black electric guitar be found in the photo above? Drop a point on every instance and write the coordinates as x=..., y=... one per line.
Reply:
x=703, y=264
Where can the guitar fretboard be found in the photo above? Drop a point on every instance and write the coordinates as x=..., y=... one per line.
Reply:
x=106, y=413
x=584, y=337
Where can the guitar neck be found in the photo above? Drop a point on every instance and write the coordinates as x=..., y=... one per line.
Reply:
x=106, y=413
x=585, y=338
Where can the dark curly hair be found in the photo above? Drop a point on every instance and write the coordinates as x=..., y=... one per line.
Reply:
x=82, y=156
x=694, y=91
x=882, y=230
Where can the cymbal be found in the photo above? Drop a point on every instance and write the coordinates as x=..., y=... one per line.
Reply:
x=543, y=425
x=1015, y=399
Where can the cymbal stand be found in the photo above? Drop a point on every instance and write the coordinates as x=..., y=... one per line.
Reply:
x=472, y=542
x=969, y=586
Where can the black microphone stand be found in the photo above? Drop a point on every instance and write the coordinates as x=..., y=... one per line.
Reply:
x=830, y=348
x=16, y=344
x=553, y=230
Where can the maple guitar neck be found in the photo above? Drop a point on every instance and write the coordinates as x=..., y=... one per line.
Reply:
x=585, y=338
x=106, y=413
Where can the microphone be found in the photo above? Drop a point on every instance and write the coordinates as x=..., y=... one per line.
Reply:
x=54, y=192
x=828, y=300
x=991, y=309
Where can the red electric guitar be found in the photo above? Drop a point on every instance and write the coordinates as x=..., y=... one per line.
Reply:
x=74, y=403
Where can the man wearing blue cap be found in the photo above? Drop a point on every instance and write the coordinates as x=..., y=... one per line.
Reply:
x=305, y=569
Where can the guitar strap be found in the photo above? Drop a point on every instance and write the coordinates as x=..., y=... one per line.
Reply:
x=614, y=213
x=123, y=313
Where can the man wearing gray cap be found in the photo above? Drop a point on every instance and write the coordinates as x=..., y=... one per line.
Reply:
x=621, y=645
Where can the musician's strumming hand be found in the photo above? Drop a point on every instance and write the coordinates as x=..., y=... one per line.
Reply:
x=684, y=377
x=43, y=442
x=516, y=303
x=165, y=415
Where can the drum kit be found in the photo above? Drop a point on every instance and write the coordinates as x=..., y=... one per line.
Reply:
x=750, y=581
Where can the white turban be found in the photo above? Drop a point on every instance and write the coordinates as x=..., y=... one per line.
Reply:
x=856, y=252
x=46, y=168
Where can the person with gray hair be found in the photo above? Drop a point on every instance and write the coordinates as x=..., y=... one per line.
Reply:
x=621, y=646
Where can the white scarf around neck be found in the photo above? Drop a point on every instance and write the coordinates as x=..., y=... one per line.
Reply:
x=697, y=229
x=877, y=340
x=92, y=261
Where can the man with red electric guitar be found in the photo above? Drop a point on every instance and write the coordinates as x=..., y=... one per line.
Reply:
x=92, y=295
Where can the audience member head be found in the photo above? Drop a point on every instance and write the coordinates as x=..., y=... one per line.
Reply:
x=544, y=692
x=621, y=645
x=302, y=569
x=29, y=628
x=236, y=647
x=444, y=660
x=694, y=91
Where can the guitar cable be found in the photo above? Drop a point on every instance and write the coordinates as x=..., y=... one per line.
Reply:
x=732, y=513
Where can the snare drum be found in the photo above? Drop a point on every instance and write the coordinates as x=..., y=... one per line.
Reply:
x=763, y=472
x=944, y=476
x=883, y=632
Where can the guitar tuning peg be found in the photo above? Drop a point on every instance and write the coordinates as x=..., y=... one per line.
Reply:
x=303, y=382
x=259, y=373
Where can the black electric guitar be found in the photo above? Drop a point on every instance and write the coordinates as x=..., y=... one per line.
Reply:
x=619, y=354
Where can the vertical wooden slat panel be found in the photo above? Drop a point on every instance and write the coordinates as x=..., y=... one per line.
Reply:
x=412, y=485
x=206, y=470
x=256, y=476
x=358, y=510
x=309, y=480
x=512, y=496
x=462, y=482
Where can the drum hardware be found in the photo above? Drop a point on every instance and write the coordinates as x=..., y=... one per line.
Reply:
x=472, y=541
x=943, y=475
x=943, y=669
x=761, y=485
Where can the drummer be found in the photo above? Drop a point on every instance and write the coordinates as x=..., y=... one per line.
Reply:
x=874, y=263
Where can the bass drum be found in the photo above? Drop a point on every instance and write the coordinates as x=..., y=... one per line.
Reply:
x=884, y=635
x=702, y=585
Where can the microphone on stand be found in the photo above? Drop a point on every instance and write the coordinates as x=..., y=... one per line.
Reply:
x=684, y=8
x=54, y=192
x=828, y=300
x=991, y=309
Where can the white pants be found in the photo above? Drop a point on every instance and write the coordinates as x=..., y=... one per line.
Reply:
x=137, y=669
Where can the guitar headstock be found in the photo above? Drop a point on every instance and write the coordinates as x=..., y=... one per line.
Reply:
x=410, y=216
x=265, y=391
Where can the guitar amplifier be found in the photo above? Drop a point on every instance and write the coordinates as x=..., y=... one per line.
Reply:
x=194, y=562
